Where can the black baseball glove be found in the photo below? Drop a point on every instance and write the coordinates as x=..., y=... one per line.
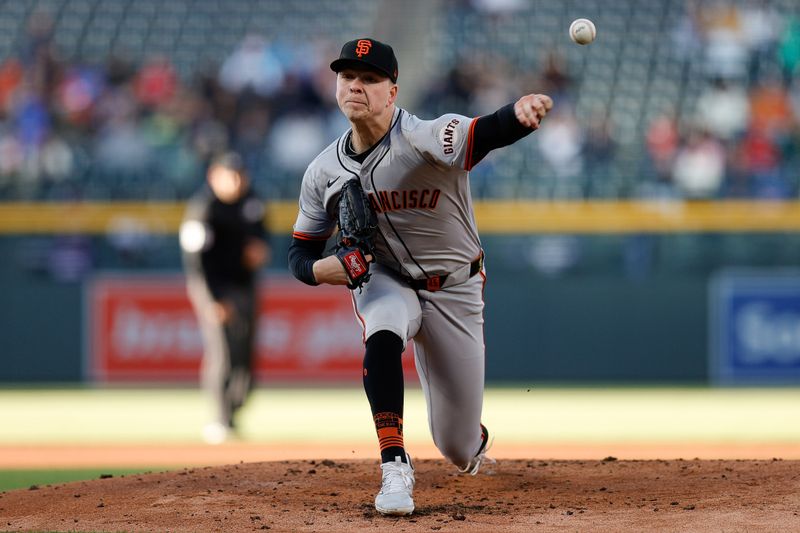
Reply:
x=358, y=224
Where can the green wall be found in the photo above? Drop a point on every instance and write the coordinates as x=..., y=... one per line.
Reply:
x=612, y=309
x=596, y=329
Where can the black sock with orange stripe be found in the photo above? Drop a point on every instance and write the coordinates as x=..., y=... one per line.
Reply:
x=383, y=383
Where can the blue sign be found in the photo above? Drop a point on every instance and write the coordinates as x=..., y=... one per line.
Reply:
x=755, y=327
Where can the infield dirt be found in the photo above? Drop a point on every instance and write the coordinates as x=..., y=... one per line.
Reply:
x=337, y=495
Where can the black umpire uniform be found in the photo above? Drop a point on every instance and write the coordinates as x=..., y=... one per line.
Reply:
x=224, y=243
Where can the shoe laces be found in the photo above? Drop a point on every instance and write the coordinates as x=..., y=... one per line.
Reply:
x=397, y=477
x=481, y=458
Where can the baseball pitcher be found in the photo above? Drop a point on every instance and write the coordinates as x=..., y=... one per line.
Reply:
x=398, y=189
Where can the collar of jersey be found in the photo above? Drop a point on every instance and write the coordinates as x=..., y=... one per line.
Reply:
x=383, y=145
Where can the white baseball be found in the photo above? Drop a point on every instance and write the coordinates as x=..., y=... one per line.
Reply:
x=582, y=31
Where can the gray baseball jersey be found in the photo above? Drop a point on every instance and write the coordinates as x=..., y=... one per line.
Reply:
x=418, y=185
x=417, y=180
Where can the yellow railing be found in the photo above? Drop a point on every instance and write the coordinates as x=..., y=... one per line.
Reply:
x=498, y=217
x=637, y=216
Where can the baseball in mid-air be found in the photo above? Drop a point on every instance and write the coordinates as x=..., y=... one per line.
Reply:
x=582, y=31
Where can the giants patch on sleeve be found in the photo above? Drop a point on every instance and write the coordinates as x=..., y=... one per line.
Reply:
x=448, y=137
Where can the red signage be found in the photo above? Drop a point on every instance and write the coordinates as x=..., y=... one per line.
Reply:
x=144, y=329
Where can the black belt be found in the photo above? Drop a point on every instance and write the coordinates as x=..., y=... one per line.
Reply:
x=434, y=283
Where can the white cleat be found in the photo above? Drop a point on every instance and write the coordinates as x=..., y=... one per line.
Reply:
x=216, y=433
x=475, y=464
x=480, y=458
x=397, y=484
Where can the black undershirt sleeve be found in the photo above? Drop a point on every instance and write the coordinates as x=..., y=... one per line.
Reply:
x=302, y=256
x=499, y=129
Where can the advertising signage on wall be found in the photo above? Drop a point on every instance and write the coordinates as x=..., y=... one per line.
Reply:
x=143, y=329
x=755, y=327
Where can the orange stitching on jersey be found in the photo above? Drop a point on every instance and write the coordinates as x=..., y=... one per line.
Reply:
x=306, y=237
x=468, y=159
x=360, y=318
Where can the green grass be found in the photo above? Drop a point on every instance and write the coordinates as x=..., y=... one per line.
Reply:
x=515, y=414
x=19, y=479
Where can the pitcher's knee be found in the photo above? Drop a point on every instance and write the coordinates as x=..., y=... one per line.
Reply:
x=457, y=453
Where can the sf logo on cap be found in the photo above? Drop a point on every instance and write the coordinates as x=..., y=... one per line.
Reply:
x=362, y=47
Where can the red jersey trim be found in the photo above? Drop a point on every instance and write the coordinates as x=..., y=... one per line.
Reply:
x=468, y=156
x=360, y=318
x=306, y=237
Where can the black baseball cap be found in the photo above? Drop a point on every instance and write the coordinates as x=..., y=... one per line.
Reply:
x=370, y=53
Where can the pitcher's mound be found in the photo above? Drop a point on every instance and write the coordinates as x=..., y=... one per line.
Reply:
x=337, y=496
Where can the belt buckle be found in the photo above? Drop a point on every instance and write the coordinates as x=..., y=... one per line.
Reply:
x=434, y=283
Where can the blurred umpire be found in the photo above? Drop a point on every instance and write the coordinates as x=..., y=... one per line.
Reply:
x=224, y=243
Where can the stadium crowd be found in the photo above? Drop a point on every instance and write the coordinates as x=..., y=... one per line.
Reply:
x=71, y=129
